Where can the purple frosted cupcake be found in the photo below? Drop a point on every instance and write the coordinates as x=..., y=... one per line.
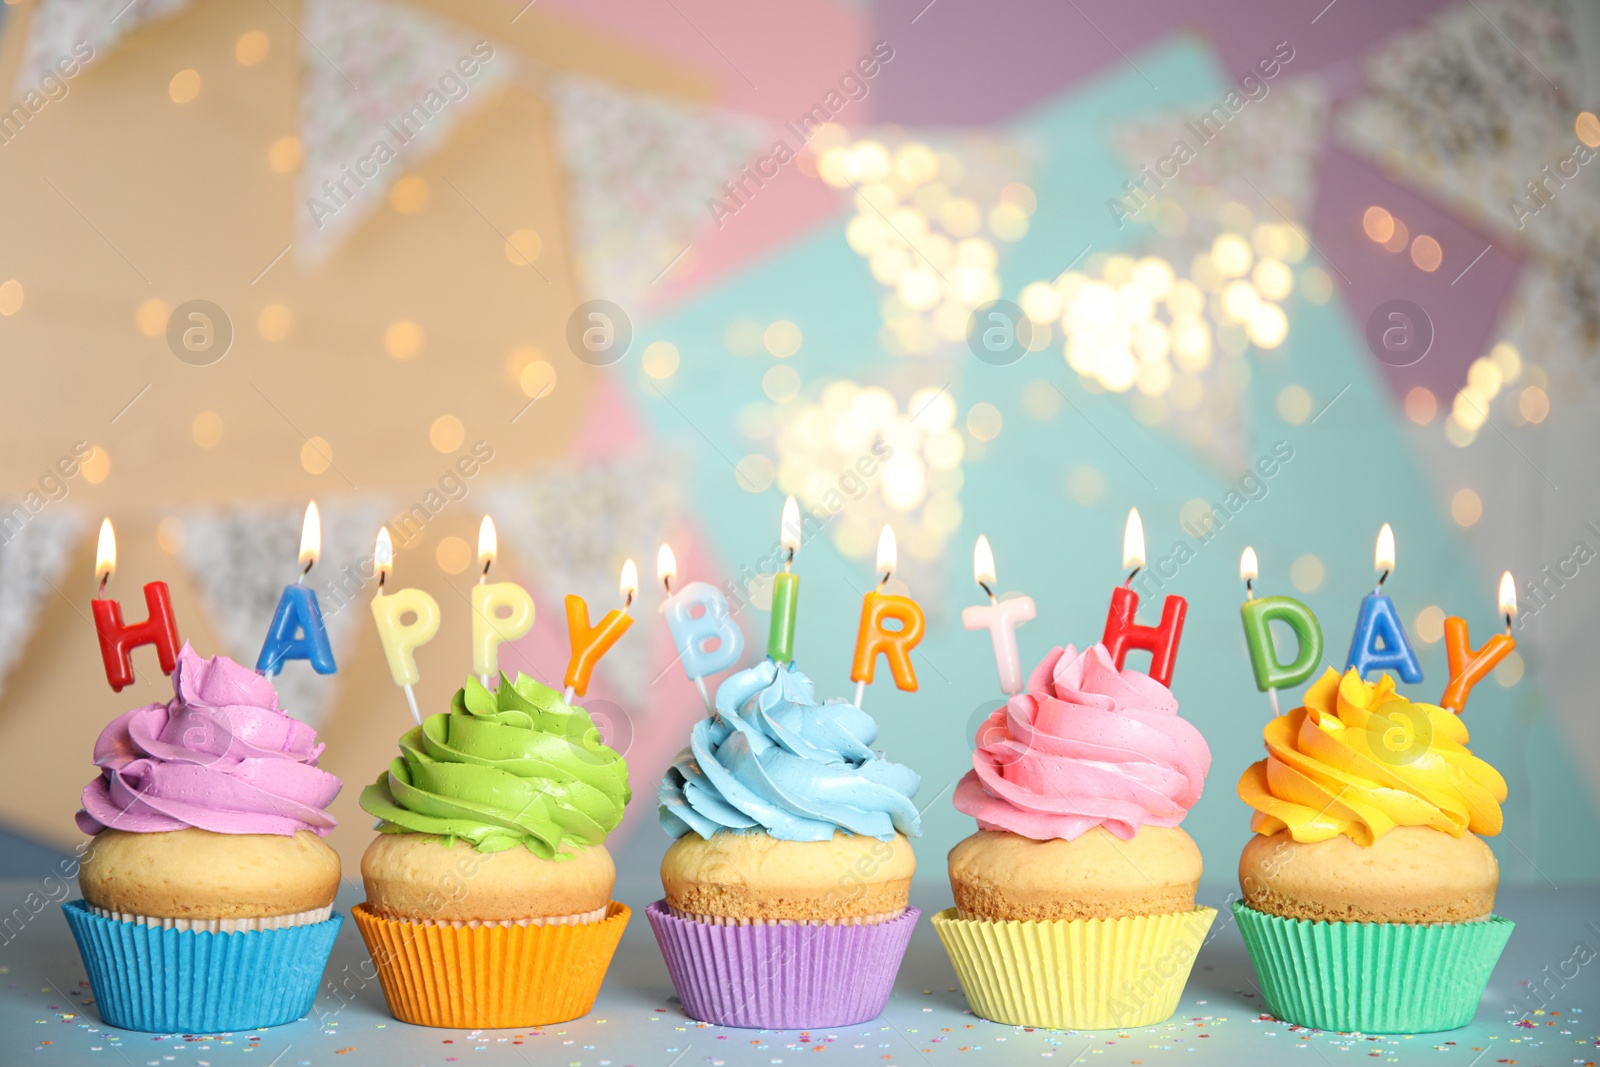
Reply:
x=787, y=884
x=207, y=889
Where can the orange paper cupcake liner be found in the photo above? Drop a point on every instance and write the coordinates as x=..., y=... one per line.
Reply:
x=487, y=977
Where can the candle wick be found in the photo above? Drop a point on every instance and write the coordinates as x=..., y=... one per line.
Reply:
x=1133, y=574
x=789, y=561
x=306, y=571
x=104, y=578
x=666, y=580
x=628, y=602
x=381, y=576
x=985, y=587
x=1508, y=624
x=1249, y=588
x=486, y=565
x=886, y=576
x=1381, y=579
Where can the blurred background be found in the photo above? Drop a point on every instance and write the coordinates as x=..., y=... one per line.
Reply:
x=1358, y=235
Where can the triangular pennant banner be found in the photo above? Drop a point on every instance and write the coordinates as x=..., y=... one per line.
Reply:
x=32, y=557
x=80, y=31
x=384, y=87
x=575, y=526
x=641, y=171
x=241, y=559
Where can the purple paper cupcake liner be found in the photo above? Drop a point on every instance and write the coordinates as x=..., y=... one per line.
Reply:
x=781, y=977
x=186, y=981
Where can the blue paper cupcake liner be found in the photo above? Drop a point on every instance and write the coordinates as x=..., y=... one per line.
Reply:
x=184, y=981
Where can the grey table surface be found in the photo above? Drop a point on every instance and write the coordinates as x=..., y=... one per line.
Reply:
x=48, y=1019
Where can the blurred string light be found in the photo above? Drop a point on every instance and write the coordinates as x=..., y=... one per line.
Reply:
x=857, y=445
x=927, y=222
x=1487, y=378
x=1148, y=326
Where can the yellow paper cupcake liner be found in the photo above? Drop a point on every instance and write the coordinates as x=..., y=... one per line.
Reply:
x=1079, y=974
x=486, y=977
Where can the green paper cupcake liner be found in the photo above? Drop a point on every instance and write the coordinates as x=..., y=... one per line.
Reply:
x=1376, y=978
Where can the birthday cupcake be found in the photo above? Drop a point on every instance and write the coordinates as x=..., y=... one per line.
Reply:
x=787, y=883
x=207, y=890
x=1368, y=893
x=489, y=885
x=1075, y=898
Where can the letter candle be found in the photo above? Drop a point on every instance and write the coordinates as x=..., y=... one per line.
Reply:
x=1469, y=666
x=878, y=607
x=1257, y=614
x=1122, y=632
x=785, y=588
x=401, y=639
x=590, y=643
x=1379, y=641
x=489, y=626
x=707, y=638
x=297, y=631
x=119, y=639
x=1000, y=617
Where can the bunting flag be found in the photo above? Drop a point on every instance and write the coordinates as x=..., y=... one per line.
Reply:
x=33, y=554
x=79, y=32
x=642, y=172
x=1513, y=161
x=575, y=525
x=385, y=85
x=241, y=559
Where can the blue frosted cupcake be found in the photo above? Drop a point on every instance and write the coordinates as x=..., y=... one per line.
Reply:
x=787, y=883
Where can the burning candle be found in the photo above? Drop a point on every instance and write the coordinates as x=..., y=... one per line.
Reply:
x=707, y=638
x=502, y=611
x=1380, y=642
x=401, y=638
x=297, y=631
x=1469, y=666
x=119, y=639
x=873, y=637
x=590, y=643
x=1000, y=617
x=1122, y=633
x=785, y=588
x=1257, y=614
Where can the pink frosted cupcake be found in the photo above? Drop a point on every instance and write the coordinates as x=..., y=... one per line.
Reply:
x=1075, y=898
x=208, y=890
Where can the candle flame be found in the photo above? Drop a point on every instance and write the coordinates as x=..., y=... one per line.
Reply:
x=310, y=537
x=888, y=556
x=983, y=563
x=1508, y=596
x=1249, y=568
x=105, y=554
x=789, y=526
x=1133, y=542
x=383, y=555
x=1383, y=556
x=629, y=586
x=488, y=544
x=666, y=564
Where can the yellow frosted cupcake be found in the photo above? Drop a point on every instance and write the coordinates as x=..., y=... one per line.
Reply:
x=1368, y=894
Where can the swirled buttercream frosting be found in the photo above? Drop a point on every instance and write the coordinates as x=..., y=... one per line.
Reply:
x=219, y=756
x=1361, y=759
x=772, y=760
x=1084, y=745
x=519, y=766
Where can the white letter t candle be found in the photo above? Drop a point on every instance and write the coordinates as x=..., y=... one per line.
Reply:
x=1000, y=617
